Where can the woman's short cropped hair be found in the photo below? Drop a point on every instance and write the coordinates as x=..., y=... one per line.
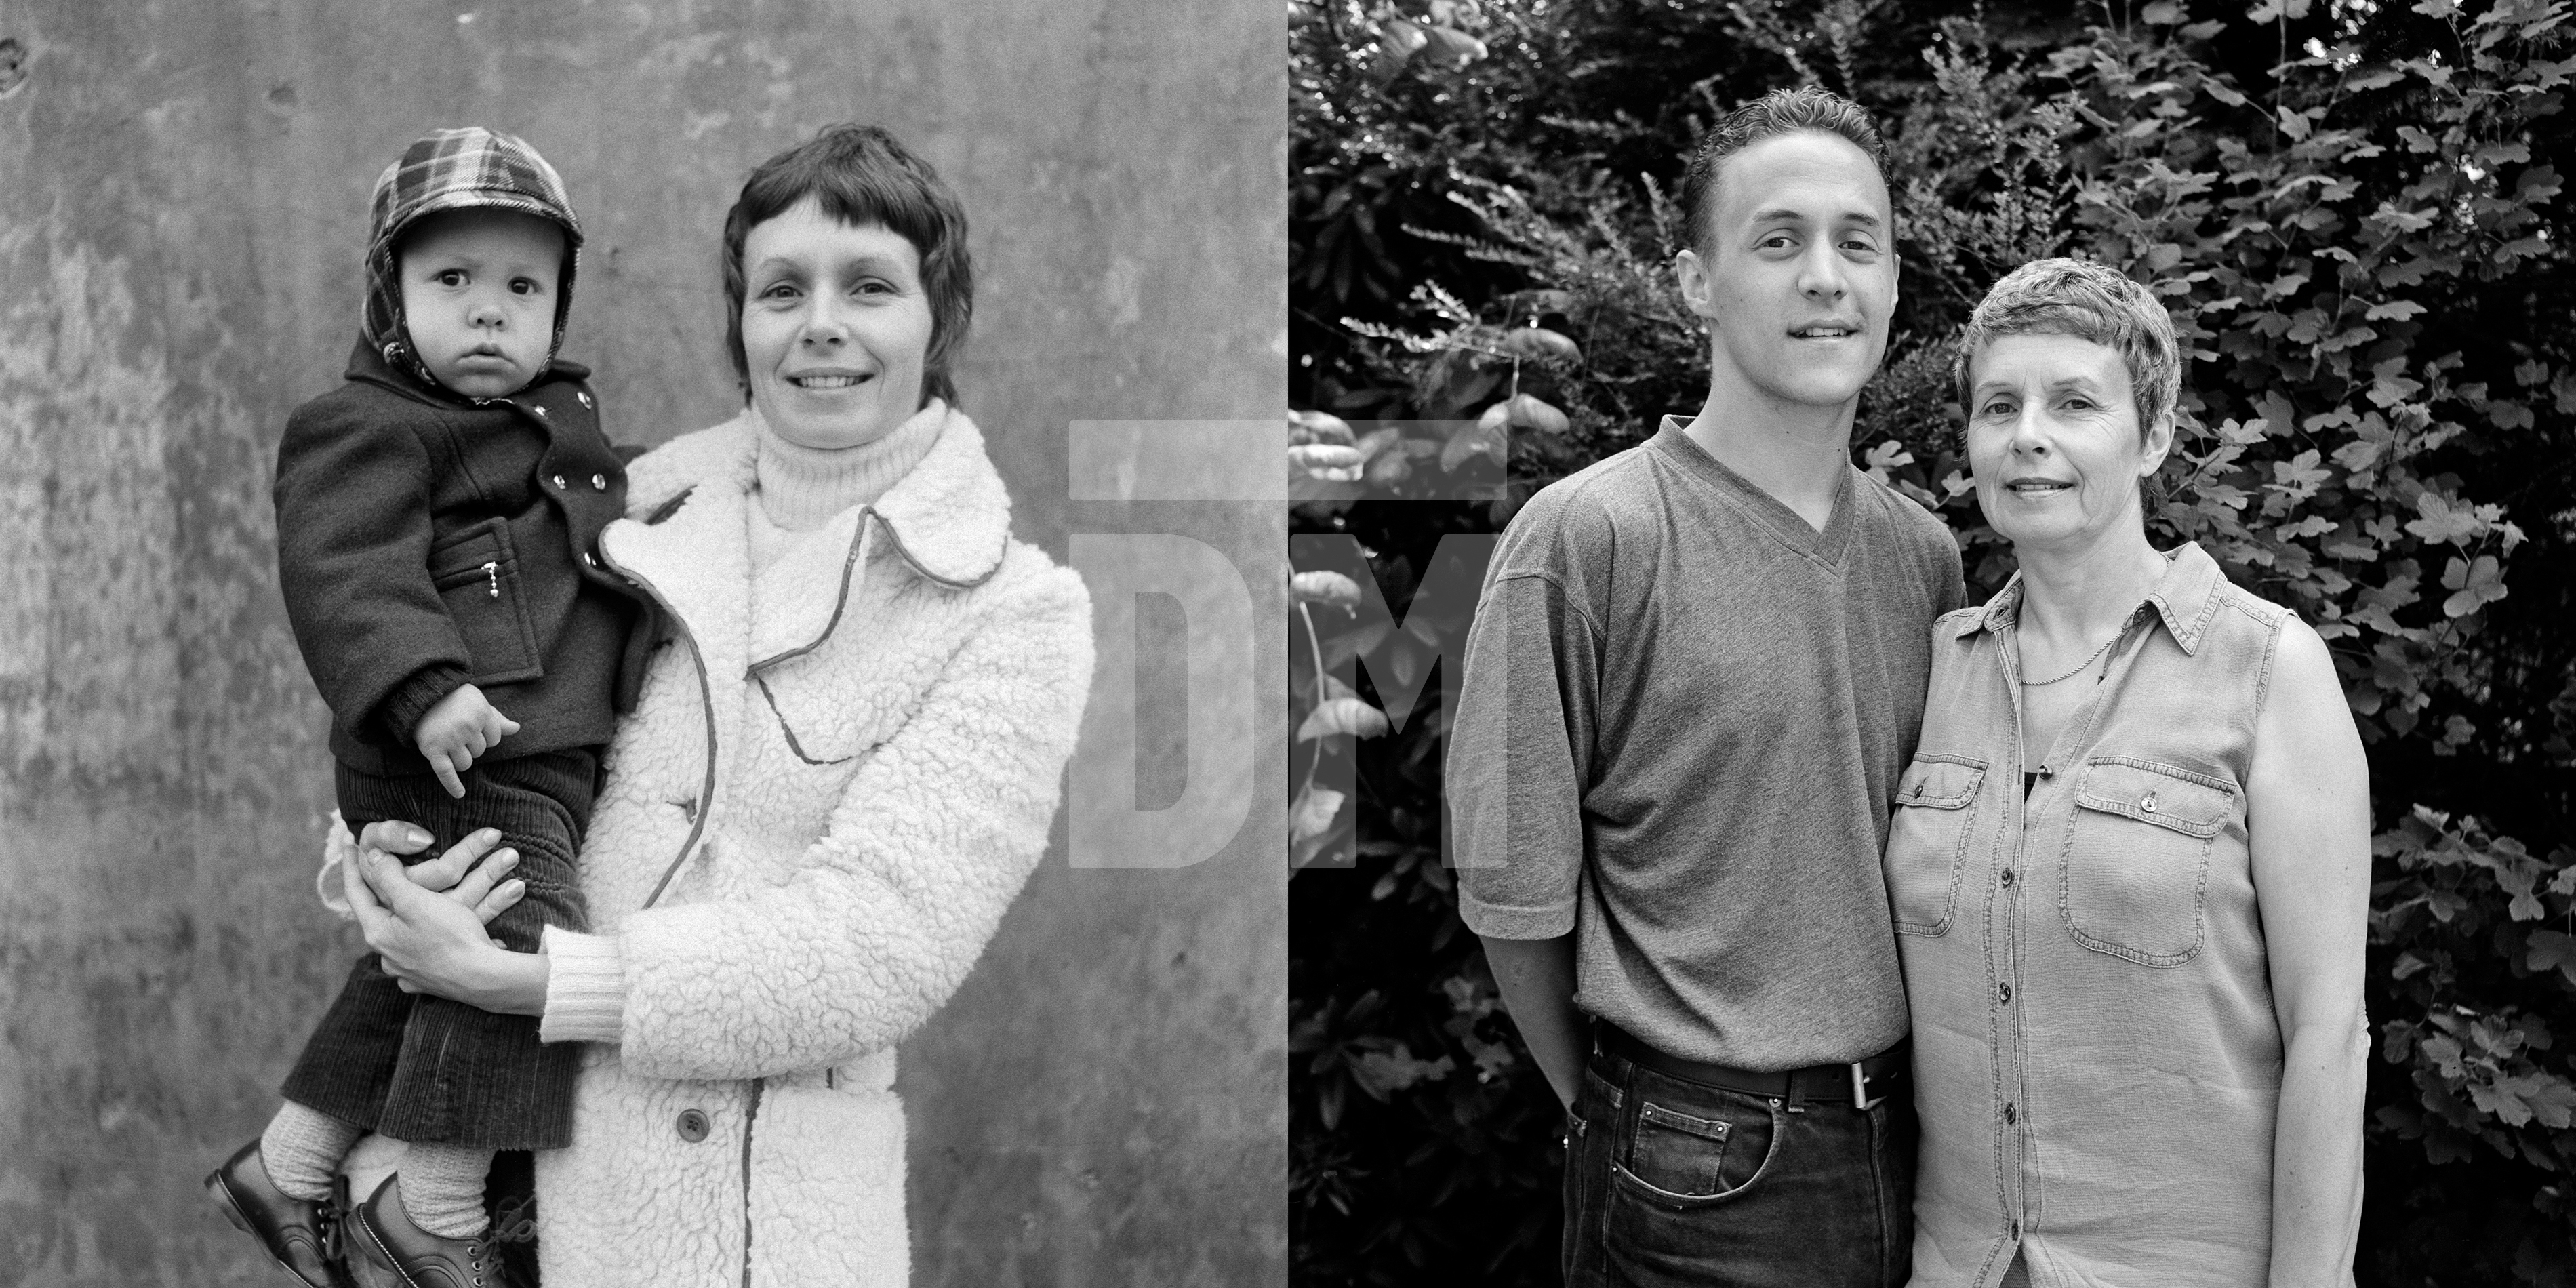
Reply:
x=2089, y=301
x=862, y=175
x=1782, y=111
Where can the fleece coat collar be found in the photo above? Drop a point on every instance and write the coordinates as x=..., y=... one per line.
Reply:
x=948, y=521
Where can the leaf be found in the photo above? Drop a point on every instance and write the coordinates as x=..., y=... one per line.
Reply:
x=1377, y=442
x=1527, y=412
x=1452, y=46
x=2298, y=477
x=2476, y=585
x=2393, y=310
x=1325, y=586
x=1383, y=1073
x=1398, y=41
x=1318, y=427
x=1328, y=461
x=1343, y=716
x=1884, y=456
x=2438, y=522
x=1537, y=343
x=1311, y=815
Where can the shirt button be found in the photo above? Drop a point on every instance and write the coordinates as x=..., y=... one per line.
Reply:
x=2046, y=772
x=583, y=395
x=540, y=411
x=2003, y=993
x=2011, y=1115
x=693, y=1125
x=559, y=482
x=598, y=482
x=587, y=561
x=2149, y=804
x=2007, y=878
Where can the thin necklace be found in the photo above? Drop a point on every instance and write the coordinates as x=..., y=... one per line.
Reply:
x=2087, y=662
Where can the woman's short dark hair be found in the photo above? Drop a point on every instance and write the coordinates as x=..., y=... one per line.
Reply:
x=861, y=175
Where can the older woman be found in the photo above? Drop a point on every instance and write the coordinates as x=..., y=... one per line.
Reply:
x=834, y=783
x=2130, y=862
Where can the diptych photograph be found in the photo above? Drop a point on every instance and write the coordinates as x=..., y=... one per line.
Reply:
x=1641, y=643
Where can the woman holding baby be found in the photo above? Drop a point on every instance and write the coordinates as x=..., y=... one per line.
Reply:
x=840, y=772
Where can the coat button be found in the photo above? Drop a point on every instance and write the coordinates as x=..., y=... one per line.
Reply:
x=693, y=1125
x=2007, y=878
x=2003, y=994
x=598, y=482
x=540, y=411
x=2011, y=1114
x=559, y=483
x=587, y=561
x=583, y=395
x=2149, y=804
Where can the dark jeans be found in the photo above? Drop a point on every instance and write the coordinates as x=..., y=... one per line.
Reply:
x=427, y=1068
x=1678, y=1183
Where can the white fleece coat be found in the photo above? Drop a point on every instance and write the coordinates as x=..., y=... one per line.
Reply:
x=838, y=777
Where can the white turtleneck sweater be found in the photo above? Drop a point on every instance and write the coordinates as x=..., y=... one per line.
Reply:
x=796, y=491
x=799, y=489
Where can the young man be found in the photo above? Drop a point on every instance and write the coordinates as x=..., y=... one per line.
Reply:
x=1695, y=675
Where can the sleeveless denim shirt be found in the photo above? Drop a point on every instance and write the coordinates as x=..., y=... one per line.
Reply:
x=2096, y=1059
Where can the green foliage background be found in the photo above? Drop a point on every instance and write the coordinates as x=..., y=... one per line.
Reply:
x=2355, y=213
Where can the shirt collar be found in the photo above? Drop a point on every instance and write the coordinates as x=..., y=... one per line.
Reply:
x=2186, y=598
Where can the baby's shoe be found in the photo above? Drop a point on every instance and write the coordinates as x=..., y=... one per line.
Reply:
x=398, y=1252
x=303, y=1236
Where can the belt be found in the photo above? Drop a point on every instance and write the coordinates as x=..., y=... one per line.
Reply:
x=1862, y=1083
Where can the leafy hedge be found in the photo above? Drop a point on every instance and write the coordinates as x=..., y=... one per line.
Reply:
x=2355, y=215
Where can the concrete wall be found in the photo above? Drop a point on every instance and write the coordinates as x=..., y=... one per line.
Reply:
x=183, y=192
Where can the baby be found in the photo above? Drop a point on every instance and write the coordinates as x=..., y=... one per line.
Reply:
x=436, y=522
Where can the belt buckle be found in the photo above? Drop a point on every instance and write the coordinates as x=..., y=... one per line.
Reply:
x=1860, y=1088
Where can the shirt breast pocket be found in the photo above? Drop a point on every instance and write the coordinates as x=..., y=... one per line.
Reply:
x=1927, y=840
x=2135, y=875
x=476, y=574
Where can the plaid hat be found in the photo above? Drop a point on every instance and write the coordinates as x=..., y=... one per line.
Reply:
x=468, y=169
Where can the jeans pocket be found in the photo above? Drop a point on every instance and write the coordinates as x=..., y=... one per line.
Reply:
x=1696, y=1153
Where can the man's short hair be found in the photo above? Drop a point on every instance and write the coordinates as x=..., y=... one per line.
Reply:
x=1782, y=111
x=862, y=175
x=2089, y=301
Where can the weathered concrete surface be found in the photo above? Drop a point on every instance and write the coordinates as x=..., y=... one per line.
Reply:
x=182, y=201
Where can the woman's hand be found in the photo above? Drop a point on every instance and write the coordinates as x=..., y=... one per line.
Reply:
x=433, y=943
x=470, y=872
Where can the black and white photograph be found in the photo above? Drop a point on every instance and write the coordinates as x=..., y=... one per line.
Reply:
x=549, y=646
x=1932, y=643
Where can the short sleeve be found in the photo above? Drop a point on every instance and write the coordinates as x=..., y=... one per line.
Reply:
x=1521, y=751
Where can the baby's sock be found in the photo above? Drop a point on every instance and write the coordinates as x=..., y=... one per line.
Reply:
x=442, y=1188
x=301, y=1148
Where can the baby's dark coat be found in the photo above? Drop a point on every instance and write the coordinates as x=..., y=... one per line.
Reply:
x=424, y=543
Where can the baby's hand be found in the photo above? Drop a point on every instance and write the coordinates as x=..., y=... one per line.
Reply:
x=460, y=727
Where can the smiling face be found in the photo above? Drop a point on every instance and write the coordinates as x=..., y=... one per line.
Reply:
x=478, y=297
x=835, y=326
x=1796, y=271
x=2054, y=440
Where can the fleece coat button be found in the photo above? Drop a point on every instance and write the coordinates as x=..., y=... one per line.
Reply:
x=693, y=1125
